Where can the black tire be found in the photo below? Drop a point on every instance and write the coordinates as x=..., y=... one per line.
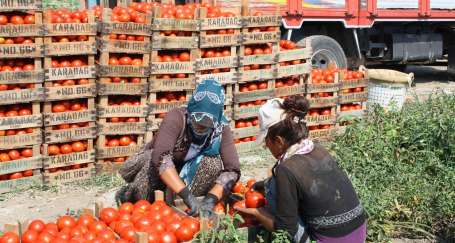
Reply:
x=326, y=50
x=451, y=62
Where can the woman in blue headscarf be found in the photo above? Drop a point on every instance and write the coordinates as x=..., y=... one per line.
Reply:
x=193, y=154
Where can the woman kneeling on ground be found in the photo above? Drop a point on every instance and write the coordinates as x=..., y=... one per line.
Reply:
x=308, y=195
x=193, y=154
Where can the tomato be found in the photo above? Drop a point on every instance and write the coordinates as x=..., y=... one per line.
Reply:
x=128, y=234
x=28, y=173
x=3, y=19
x=97, y=226
x=168, y=237
x=240, y=124
x=184, y=57
x=106, y=234
x=113, y=143
x=37, y=225
x=29, y=236
x=345, y=108
x=66, y=149
x=125, y=141
x=16, y=175
x=262, y=85
x=66, y=222
x=254, y=200
x=219, y=208
x=184, y=233
x=279, y=84
x=192, y=223
x=113, y=61
x=45, y=237
x=136, y=62
x=53, y=150
x=29, y=19
x=326, y=112
x=125, y=60
x=58, y=108
x=14, y=154
x=258, y=51
x=16, y=20
x=250, y=183
x=238, y=187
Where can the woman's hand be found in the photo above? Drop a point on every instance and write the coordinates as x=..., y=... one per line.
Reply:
x=250, y=211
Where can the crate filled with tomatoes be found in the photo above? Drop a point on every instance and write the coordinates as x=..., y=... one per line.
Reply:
x=162, y=102
x=353, y=86
x=8, y=6
x=245, y=131
x=113, y=150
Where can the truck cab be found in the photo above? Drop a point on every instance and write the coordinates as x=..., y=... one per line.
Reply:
x=352, y=32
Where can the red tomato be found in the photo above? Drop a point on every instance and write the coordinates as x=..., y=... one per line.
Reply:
x=113, y=143
x=30, y=236
x=125, y=60
x=113, y=61
x=128, y=234
x=9, y=237
x=29, y=19
x=3, y=19
x=184, y=57
x=66, y=222
x=238, y=187
x=16, y=20
x=168, y=238
x=108, y=215
x=125, y=141
x=53, y=150
x=14, y=154
x=66, y=149
x=192, y=223
x=252, y=87
x=254, y=200
x=184, y=233
x=97, y=226
x=250, y=183
x=37, y=225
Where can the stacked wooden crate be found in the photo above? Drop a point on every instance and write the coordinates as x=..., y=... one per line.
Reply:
x=174, y=55
x=353, y=96
x=70, y=90
x=258, y=58
x=219, y=42
x=322, y=93
x=21, y=80
x=122, y=87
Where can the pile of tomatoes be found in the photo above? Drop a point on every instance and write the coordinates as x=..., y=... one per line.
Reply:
x=323, y=76
x=320, y=127
x=124, y=60
x=258, y=49
x=287, y=82
x=287, y=45
x=351, y=75
x=122, y=80
x=252, y=199
x=253, y=86
x=16, y=175
x=216, y=52
x=320, y=112
x=17, y=40
x=124, y=140
x=16, y=154
x=173, y=56
x=12, y=132
x=69, y=105
x=352, y=90
x=16, y=65
x=245, y=140
x=15, y=110
x=247, y=123
x=70, y=82
x=67, y=148
x=126, y=37
x=63, y=62
x=16, y=18
x=165, y=97
x=351, y=107
x=124, y=15
x=63, y=15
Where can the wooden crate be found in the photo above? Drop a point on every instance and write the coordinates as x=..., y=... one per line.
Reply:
x=31, y=163
x=35, y=49
x=121, y=128
x=21, y=140
x=230, y=77
x=19, y=122
x=260, y=59
x=349, y=114
x=62, y=177
x=10, y=185
x=243, y=147
x=243, y=111
x=71, y=134
x=35, y=94
x=52, y=119
x=174, y=67
x=108, y=111
x=106, y=70
x=302, y=68
x=302, y=53
x=24, y=30
x=106, y=44
x=263, y=94
x=298, y=88
x=320, y=102
x=257, y=22
x=322, y=134
x=315, y=91
x=53, y=93
x=244, y=132
x=315, y=118
x=218, y=62
x=24, y=77
x=246, y=75
x=29, y=5
x=349, y=97
x=63, y=160
x=107, y=87
x=63, y=73
x=156, y=107
x=157, y=83
x=163, y=25
x=208, y=26
x=53, y=30
x=104, y=152
x=129, y=28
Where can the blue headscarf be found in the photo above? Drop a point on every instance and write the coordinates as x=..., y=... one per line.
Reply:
x=206, y=104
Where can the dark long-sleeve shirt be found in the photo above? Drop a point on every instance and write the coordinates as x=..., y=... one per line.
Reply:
x=313, y=187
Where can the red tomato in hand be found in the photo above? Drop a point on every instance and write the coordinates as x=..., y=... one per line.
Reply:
x=254, y=200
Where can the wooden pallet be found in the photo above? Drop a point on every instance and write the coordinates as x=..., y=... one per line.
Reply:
x=24, y=30
x=52, y=119
x=18, y=141
x=64, y=73
x=129, y=28
x=62, y=177
x=87, y=47
x=174, y=67
x=71, y=134
x=62, y=160
x=35, y=94
x=53, y=93
x=264, y=94
x=106, y=70
x=24, y=77
x=18, y=122
x=208, y=25
x=106, y=87
x=8, y=6
x=104, y=152
x=105, y=44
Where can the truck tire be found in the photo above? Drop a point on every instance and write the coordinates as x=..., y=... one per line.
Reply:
x=451, y=62
x=326, y=50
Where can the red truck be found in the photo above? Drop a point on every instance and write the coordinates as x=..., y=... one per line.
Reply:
x=353, y=32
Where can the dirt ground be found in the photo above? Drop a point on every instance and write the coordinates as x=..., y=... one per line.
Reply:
x=49, y=202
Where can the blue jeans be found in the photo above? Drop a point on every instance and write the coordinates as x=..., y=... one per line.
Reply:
x=270, y=195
